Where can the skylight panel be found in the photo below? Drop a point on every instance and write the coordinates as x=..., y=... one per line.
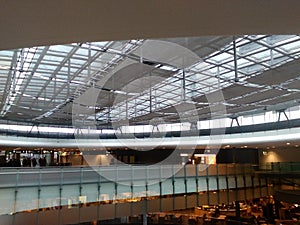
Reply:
x=47, y=67
x=53, y=58
x=264, y=55
x=6, y=54
x=61, y=48
x=291, y=47
x=221, y=58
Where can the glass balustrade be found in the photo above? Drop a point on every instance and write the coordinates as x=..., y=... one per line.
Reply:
x=23, y=189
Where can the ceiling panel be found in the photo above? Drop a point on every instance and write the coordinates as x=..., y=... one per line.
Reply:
x=225, y=93
x=167, y=52
x=144, y=119
x=179, y=108
x=278, y=75
x=286, y=98
x=202, y=46
x=293, y=85
x=241, y=109
x=132, y=73
x=257, y=97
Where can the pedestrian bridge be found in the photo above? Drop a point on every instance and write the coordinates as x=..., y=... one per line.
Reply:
x=72, y=195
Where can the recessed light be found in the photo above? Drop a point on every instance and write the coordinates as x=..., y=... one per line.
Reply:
x=288, y=143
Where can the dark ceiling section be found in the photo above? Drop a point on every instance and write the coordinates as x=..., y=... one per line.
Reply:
x=38, y=23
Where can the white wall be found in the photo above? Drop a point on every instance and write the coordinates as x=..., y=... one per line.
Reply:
x=96, y=160
x=289, y=154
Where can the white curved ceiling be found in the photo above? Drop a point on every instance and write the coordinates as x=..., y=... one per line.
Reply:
x=251, y=140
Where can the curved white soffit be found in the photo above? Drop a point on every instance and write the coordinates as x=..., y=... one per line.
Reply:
x=264, y=137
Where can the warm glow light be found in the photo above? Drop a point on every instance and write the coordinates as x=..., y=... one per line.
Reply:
x=265, y=153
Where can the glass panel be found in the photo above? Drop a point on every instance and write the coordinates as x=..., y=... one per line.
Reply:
x=70, y=194
x=167, y=187
x=7, y=200
x=231, y=182
x=153, y=189
x=222, y=182
x=179, y=185
x=27, y=199
x=124, y=191
x=240, y=182
x=139, y=190
x=212, y=183
x=107, y=191
x=248, y=181
x=49, y=196
x=191, y=185
x=202, y=184
x=89, y=192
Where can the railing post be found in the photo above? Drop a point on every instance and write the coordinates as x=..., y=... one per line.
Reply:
x=207, y=185
x=227, y=184
x=197, y=184
x=218, y=184
x=244, y=180
x=16, y=195
x=147, y=189
x=60, y=193
x=173, y=186
x=259, y=183
x=185, y=187
x=236, y=183
x=131, y=190
x=160, y=190
x=116, y=189
x=80, y=193
x=252, y=184
x=99, y=193
x=39, y=196
x=267, y=182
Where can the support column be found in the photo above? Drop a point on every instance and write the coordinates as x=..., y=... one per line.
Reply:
x=236, y=78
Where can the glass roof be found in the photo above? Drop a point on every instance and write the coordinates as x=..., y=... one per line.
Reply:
x=139, y=81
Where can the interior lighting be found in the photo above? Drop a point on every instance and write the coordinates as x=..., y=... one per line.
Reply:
x=265, y=152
